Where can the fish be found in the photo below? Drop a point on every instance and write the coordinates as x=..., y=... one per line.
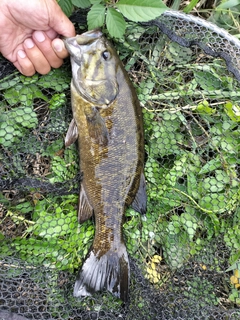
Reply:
x=108, y=123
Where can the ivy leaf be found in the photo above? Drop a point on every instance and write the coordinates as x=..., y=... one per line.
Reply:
x=96, y=16
x=141, y=10
x=66, y=6
x=81, y=3
x=116, y=24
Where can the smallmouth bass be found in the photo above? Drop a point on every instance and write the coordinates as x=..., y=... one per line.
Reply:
x=107, y=121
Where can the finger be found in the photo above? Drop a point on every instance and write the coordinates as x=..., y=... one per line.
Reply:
x=59, y=48
x=23, y=64
x=37, y=58
x=44, y=44
x=52, y=34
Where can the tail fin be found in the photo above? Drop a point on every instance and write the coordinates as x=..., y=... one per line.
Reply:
x=110, y=271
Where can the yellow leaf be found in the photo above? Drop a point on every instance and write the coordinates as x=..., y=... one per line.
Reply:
x=203, y=266
x=235, y=280
x=156, y=259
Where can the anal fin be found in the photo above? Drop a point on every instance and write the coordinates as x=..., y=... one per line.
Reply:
x=139, y=203
x=85, y=210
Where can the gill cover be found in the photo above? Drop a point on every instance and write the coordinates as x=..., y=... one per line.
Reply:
x=93, y=67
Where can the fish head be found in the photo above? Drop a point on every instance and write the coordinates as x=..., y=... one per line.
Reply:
x=94, y=67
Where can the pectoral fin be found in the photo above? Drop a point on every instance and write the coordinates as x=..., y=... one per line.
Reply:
x=85, y=210
x=97, y=127
x=139, y=203
x=72, y=134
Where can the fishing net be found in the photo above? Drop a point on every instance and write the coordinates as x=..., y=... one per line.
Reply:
x=184, y=253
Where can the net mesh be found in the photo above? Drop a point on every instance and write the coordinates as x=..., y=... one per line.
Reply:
x=185, y=258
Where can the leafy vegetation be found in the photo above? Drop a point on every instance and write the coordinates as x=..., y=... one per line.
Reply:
x=112, y=13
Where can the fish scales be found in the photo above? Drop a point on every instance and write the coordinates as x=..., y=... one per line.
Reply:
x=108, y=123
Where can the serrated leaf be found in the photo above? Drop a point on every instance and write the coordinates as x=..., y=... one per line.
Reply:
x=81, y=3
x=96, y=16
x=141, y=10
x=95, y=1
x=116, y=24
x=66, y=6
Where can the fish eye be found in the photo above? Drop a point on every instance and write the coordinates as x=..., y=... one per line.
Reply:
x=106, y=55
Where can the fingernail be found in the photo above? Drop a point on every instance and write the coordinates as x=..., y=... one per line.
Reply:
x=29, y=43
x=21, y=54
x=39, y=36
x=58, y=46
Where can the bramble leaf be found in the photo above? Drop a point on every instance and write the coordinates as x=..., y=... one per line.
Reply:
x=81, y=3
x=141, y=10
x=116, y=24
x=96, y=16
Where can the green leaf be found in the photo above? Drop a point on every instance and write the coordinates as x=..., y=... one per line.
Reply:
x=96, y=16
x=228, y=4
x=25, y=207
x=213, y=202
x=230, y=144
x=176, y=245
x=189, y=223
x=203, y=107
x=211, y=165
x=192, y=185
x=233, y=111
x=8, y=82
x=141, y=10
x=116, y=24
x=211, y=184
x=66, y=6
x=56, y=79
x=57, y=101
x=190, y=6
x=81, y=3
x=178, y=54
x=12, y=95
x=208, y=81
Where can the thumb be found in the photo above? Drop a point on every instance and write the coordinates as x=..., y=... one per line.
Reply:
x=59, y=48
x=59, y=21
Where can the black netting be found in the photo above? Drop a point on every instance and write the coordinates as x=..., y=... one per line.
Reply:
x=185, y=258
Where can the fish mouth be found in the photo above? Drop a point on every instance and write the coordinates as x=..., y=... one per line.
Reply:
x=88, y=37
x=85, y=38
x=73, y=45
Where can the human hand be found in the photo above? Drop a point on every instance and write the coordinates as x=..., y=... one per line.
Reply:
x=29, y=34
